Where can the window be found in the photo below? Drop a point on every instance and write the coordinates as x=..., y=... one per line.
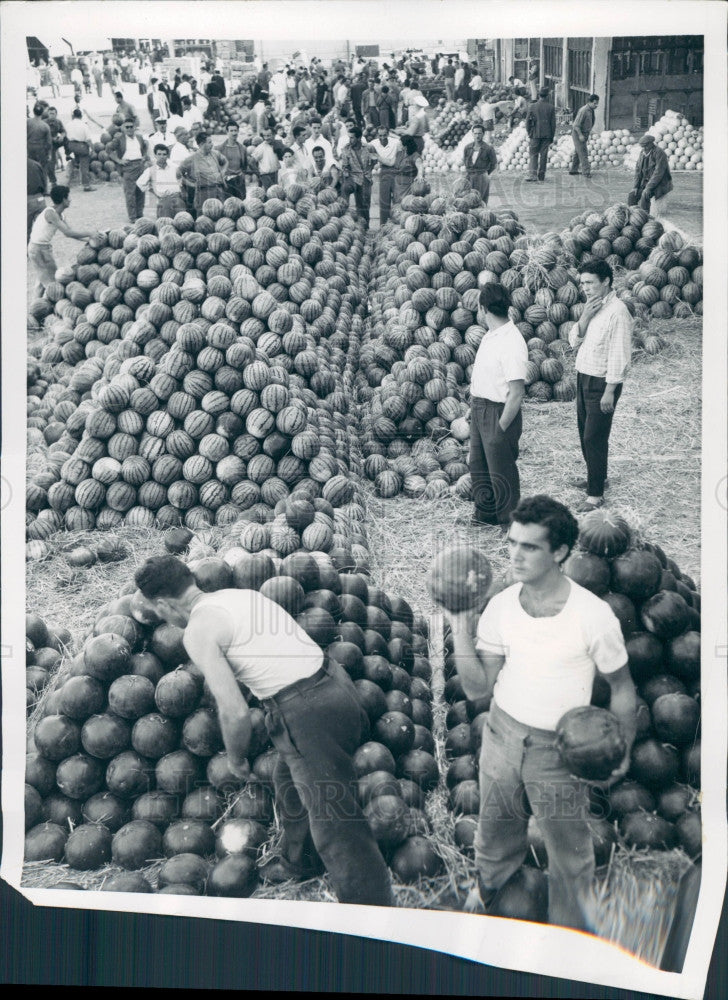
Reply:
x=553, y=57
x=520, y=48
x=677, y=61
x=580, y=69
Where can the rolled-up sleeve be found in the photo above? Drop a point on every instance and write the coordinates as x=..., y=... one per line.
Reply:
x=619, y=351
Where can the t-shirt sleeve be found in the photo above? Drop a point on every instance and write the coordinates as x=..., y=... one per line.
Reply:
x=605, y=641
x=488, y=635
x=515, y=359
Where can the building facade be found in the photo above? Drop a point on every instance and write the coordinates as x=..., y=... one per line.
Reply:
x=636, y=78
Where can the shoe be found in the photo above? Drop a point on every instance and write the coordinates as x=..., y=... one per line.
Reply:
x=531, y=180
x=589, y=505
x=581, y=484
x=90, y=189
x=478, y=901
x=576, y=173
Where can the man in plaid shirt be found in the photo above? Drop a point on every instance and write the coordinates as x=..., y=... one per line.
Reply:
x=603, y=337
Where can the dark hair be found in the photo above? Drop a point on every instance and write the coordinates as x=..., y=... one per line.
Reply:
x=231, y=123
x=77, y=113
x=38, y=108
x=118, y=93
x=202, y=137
x=318, y=149
x=51, y=108
x=356, y=132
x=543, y=92
x=163, y=576
x=315, y=119
x=409, y=144
x=495, y=299
x=287, y=149
x=593, y=97
x=600, y=268
x=297, y=130
x=562, y=526
x=160, y=145
x=59, y=193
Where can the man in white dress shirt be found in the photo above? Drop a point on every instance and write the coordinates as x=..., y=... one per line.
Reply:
x=496, y=392
x=386, y=146
x=161, y=179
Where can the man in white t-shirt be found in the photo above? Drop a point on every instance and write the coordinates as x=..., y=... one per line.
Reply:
x=497, y=387
x=312, y=714
x=537, y=649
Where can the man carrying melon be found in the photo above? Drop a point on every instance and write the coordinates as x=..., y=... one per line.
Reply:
x=312, y=715
x=535, y=651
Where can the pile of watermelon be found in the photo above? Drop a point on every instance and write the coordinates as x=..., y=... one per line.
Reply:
x=44, y=650
x=201, y=360
x=665, y=274
x=128, y=763
x=656, y=806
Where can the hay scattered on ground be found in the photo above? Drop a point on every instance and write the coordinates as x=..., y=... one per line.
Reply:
x=634, y=904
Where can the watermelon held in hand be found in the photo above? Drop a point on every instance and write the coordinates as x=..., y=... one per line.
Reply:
x=459, y=579
x=591, y=742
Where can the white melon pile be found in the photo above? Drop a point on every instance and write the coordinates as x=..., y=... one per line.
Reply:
x=682, y=142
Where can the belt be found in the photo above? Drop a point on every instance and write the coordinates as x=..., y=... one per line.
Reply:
x=298, y=687
x=482, y=399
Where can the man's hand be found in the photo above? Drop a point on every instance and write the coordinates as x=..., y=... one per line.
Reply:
x=591, y=308
x=617, y=774
x=464, y=622
x=607, y=401
x=644, y=202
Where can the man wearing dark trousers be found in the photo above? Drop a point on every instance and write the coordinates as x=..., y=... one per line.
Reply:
x=603, y=341
x=496, y=391
x=541, y=129
x=580, y=132
x=130, y=152
x=312, y=714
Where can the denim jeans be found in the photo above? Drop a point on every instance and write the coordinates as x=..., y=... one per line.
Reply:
x=520, y=769
x=316, y=727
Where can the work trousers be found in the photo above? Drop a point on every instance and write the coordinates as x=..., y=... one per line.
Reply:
x=403, y=184
x=40, y=256
x=387, y=182
x=169, y=205
x=131, y=171
x=267, y=180
x=521, y=773
x=450, y=89
x=480, y=182
x=538, y=151
x=363, y=201
x=594, y=427
x=316, y=726
x=580, y=158
x=235, y=186
x=493, y=471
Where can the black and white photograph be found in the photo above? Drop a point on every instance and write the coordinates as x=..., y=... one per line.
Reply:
x=364, y=474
